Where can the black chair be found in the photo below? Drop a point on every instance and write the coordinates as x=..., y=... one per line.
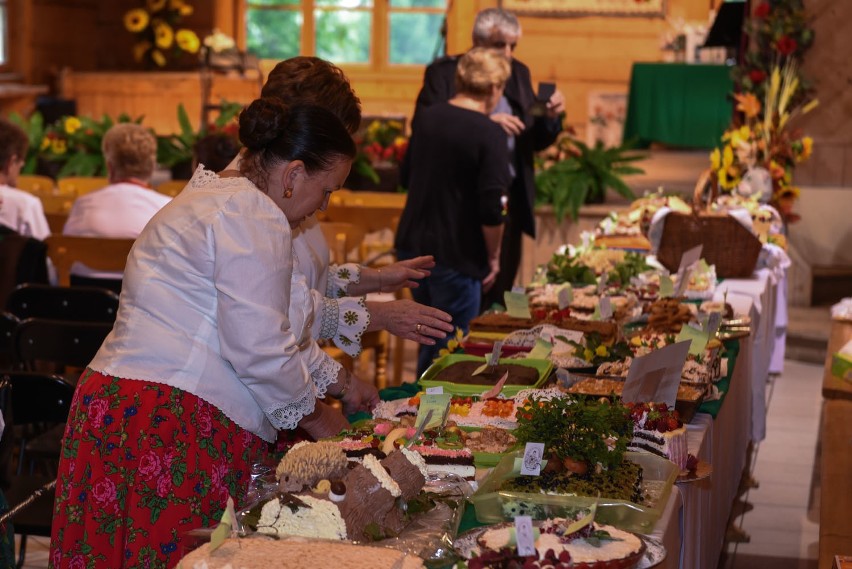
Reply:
x=8, y=324
x=80, y=304
x=61, y=342
x=31, y=401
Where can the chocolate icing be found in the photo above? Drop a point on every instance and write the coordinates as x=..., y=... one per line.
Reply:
x=409, y=478
x=460, y=372
x=366, y=502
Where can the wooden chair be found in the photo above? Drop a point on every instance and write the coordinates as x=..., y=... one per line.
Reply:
x=75, y=303
x=172, y=187
x=35, y=184
x=342, y=238
x=99, y=253
x=59, y=342
x=57, y=204
x=8, y=323
x=81, y=185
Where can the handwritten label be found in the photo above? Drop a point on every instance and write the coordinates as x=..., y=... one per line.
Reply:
x=533, y=453
x=690, y=257
x=606, y=308
x=519, y=289
x=524, y=536
x=433, y=410
x=666, y=286
x=541, y=350
x=655, y=376
x=565, y=296
x=517, y=304
x=498, y=387
x=697, y=339
x=437, y=390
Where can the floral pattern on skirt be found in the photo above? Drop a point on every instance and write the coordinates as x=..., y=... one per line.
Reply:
x=141, y=464
x=7, y=536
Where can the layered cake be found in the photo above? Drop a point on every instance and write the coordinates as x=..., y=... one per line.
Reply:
x=462, y=373
x=562, y=544
x=659, y=430
x=292, y=553
x=502, y=322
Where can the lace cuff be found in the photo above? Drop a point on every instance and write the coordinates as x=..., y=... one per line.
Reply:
x=340, y=277
x=288, y=416
x=324, y=374
x=329, y=318
x=353, y=320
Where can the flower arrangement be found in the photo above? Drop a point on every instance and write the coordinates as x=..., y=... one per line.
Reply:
x=72, y=142
x=764, y=139
x=778, y=31
x=381, y=143
x=159, y=36
x=174, y=149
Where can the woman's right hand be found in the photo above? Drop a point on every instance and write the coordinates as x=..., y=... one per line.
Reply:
x=325, y=421
x=410, y=320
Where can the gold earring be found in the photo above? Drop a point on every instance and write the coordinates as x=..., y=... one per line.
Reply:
x=288, y=192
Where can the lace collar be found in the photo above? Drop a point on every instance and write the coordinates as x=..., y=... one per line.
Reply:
x=209, y=180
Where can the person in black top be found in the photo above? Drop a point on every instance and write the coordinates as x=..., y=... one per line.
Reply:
x=457, y=176
x=499, y=29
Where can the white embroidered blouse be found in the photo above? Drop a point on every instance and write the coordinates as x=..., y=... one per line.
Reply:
x=202, y=308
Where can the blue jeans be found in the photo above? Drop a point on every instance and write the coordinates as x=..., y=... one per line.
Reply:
x=449, y=290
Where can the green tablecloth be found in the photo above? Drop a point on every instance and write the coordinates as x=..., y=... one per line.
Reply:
x=679, y=104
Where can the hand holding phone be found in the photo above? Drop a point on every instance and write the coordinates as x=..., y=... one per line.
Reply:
x=545, y=92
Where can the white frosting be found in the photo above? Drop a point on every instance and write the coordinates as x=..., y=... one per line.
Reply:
x=372, y=464
x=322, y=519
x=415, y=459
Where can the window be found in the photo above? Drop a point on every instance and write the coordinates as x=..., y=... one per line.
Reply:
x=376, y=33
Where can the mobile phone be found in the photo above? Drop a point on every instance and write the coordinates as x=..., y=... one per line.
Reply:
x=545, y=91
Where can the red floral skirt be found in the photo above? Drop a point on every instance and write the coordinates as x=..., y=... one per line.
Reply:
x=142, y=463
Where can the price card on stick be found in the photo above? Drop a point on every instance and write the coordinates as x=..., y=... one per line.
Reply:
x=565, y=296
x=713, y=322
x=697, y=339
x=433, y=410
x=655, y=377
x=541, y=350
x=524, y=536
x=492, y=359
x=687, y=266
x=602, y=283
x=666, y=286
x=437, y=390
x=517, y=304
x=533, y=453
x=606, y=308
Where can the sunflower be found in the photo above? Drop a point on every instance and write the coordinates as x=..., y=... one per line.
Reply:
x=156, y=5
x=59, y=146
x=158, y=57
x=807, y=148
x=136, y=20
x=187, y=40
x=182, y=7
x=140, y=49
x=45, y=143
x=163, y=35
x=72, y=125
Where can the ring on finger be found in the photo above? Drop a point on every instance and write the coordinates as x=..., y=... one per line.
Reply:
x=418, y=328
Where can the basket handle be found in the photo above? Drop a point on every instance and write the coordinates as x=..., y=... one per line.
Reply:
x=708, y=176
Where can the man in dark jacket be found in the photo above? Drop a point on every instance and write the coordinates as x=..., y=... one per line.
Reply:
x=528, y=132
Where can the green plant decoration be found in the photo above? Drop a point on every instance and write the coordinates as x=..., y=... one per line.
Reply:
x=174, y=149
x=35, y=130
x=583, y=174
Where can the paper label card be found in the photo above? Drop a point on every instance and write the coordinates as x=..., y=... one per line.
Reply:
x=666, y=286
x=437, y=390
x=524, y=536
x=690, y=257
x=565, y=296
x=602, y=284
x=227, y=525
x=435, y=403
x=541, y=350
x=498, y=387
x=533, y=453
x=683, y=280
x=713, y=322
x=517, y=304
x=703, y=267
x=655, y=377
x=697, y=339
x=606, y=308
x=519, y=289
x=494, y=357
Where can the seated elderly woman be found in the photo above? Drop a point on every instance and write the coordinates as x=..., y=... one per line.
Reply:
x=20, y=211
x=123, y=208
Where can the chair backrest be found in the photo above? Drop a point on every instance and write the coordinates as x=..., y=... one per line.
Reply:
x=22, y=259
x=77, y=303
x=38, y=397
x=59, y=341
x=7, y=443
x=81, y=185
x=172, y=187
x=370, y=217
x=35, y=184
x=342, y=238
x=98, y=253
x=8, y=324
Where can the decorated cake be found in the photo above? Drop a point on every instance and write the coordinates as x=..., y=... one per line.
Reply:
x=659, y=430
x=560, y=543
x=462, y=373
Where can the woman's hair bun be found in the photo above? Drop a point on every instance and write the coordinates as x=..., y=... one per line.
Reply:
x=262, y=122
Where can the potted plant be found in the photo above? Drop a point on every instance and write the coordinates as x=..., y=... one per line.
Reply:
x=580, y=174
x=381, y=148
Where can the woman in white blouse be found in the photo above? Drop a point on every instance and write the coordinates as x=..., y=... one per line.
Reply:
x=207, y=358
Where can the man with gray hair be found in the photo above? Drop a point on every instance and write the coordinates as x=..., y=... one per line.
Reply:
x=528, y=131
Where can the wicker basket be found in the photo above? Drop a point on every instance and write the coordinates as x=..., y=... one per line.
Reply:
x=726, y=243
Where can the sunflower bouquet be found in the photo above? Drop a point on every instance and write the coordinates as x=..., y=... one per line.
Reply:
x=765, y=140
x=159, y=36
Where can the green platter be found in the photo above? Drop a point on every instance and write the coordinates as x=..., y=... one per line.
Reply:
x=544, y=368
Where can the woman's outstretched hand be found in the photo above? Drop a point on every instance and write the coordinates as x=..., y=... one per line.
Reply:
x=325, y=421
x=405, y=273
x=410, y=320
x=361, y=396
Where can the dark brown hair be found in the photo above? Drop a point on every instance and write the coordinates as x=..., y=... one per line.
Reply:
x=273, y=132
x=216, y=151
x=307, y=80
x=13, y=142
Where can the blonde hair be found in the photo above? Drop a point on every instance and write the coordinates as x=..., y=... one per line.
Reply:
x=130, y=151
x=480, y=70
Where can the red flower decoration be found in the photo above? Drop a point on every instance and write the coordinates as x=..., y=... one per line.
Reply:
x=757, y=76
x=763, y=9
x=786, y=45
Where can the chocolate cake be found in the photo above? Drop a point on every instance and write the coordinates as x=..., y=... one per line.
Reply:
x=462, y=373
